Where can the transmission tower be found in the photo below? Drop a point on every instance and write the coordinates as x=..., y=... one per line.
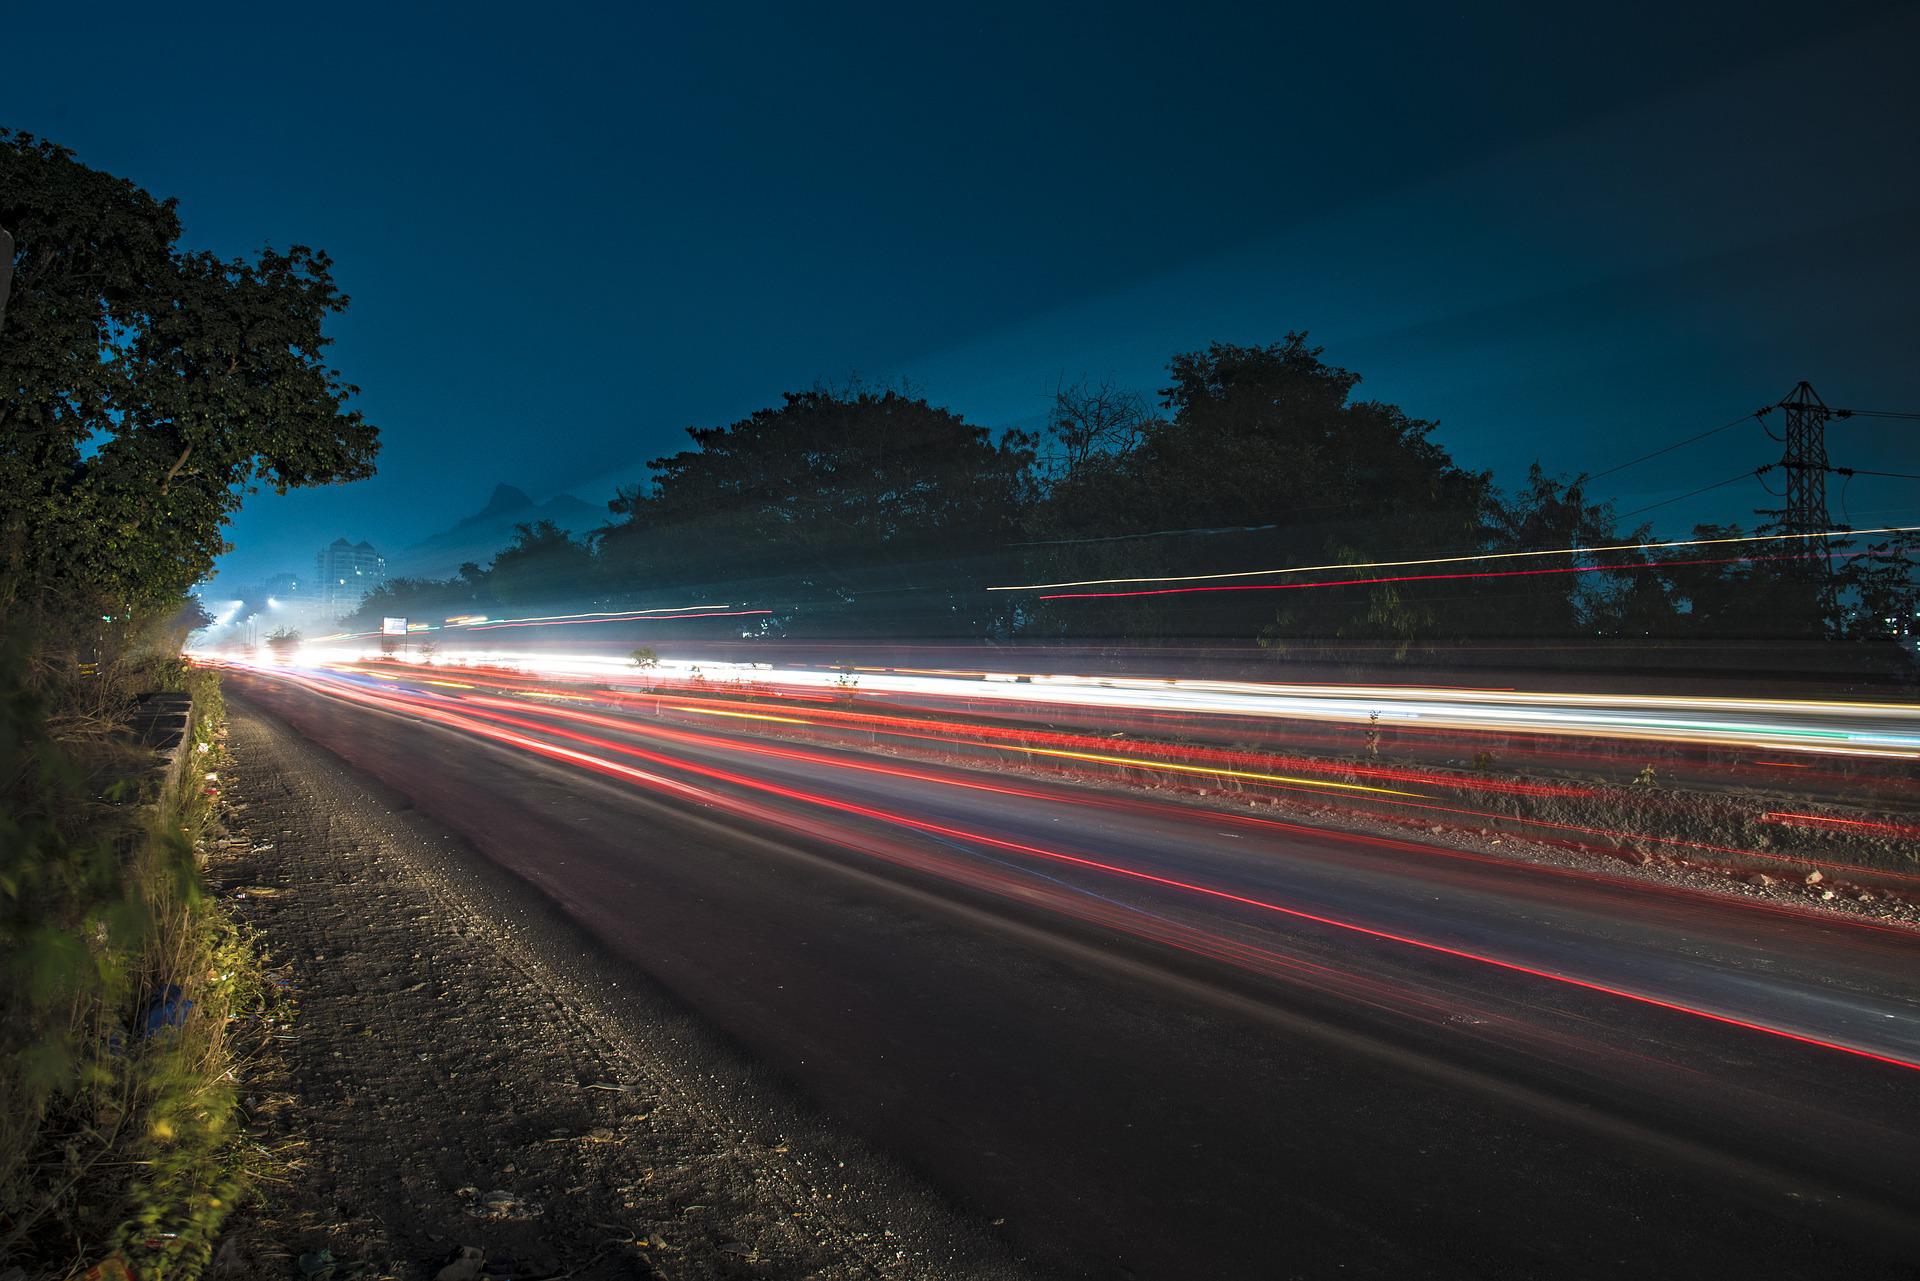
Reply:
x=1805, y=462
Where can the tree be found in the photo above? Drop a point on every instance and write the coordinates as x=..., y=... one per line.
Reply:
x=832, y=504
x=1879, y=590
x=1089, y=421
x=1571, y=596
x=1267, y=460
x=417, y=598
x=145, y=387
x=543, y=564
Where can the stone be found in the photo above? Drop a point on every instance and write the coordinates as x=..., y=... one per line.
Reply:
x=466, y=1266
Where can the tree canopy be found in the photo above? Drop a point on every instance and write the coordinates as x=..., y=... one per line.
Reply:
x=831, y=502
x=146, y=387
x=1266, y=459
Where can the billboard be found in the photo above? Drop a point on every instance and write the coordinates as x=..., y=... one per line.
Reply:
x=393, y=627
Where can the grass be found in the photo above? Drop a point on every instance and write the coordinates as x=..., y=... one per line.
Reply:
x=120, y=1142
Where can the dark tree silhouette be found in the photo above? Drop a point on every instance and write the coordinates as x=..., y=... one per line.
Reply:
x=830, y=507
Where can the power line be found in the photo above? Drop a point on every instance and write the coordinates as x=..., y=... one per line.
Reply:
x=1719, y=484
x=1861, y=471
x=1634, y=462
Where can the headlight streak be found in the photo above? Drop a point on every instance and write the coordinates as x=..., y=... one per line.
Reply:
x=482, y=623
x=641, y=616
x=1650, y=717
x=1023, y=740
x=1466, y=558
x=418, y=706
x=1613, y=838
x=1416, y=578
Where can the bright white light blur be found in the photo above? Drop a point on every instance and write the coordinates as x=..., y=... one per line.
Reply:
x=1781, y=725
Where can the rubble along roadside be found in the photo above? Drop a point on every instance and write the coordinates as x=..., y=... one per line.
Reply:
x=444, y=1101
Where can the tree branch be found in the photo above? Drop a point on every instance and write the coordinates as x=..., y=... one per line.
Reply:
x=173, y=471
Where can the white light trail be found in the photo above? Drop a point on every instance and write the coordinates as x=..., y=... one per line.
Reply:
x=1835, y=728
x=1458, y=560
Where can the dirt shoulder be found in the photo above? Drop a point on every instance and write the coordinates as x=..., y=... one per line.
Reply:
x=449, y=1071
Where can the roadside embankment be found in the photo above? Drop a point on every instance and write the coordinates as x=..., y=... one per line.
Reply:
x=119, y=1153
x=453, y=1087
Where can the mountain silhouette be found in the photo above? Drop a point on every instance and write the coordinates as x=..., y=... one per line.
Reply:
x=506, y=498
x=480, y=536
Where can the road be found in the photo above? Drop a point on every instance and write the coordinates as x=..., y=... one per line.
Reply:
x=1152, y=1040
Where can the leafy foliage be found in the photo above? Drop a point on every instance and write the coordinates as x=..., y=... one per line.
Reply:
x=822, y=503
x=542, y=563
x=145, y=387
x=876, y=513
x=112, y=1135
x=1267, y=459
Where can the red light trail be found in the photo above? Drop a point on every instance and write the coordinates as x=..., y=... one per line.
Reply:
x=432, y=708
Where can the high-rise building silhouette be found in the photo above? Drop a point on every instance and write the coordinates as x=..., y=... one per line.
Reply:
x=345, y=572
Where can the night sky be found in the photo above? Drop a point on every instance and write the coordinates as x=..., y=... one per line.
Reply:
x=568, y=235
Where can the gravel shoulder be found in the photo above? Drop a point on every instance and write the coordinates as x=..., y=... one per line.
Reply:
x=455, y=1071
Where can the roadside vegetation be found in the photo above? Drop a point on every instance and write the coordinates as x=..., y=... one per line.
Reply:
x=144, y=387
x=870, y=511
x=118, y=1135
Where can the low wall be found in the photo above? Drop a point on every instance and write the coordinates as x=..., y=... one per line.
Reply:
x=164, y=723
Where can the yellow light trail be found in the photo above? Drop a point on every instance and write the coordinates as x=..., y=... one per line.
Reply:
x=745, y=716
x=1458, y=560
x=1210, y=771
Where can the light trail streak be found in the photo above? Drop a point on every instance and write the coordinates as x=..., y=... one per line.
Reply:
x=412, y=705
x=1210, y=762
x=482, y=623
x=1129, y=762
x=642, y=616
x=1614, y=837
x=1839, y=728
x=1468, y=558
x=1403, y=578
x=745, y=716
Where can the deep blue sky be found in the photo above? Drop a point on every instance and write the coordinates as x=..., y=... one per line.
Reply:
x=569, y=234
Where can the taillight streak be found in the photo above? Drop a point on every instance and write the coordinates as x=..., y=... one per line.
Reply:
x=416, y=705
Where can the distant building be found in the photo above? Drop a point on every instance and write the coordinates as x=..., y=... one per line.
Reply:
x=280, y=587
x=345, y=572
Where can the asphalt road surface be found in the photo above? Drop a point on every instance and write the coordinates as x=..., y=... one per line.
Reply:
x=1147, y=1040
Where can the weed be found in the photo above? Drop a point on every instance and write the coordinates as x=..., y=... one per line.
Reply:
x=118, y=1134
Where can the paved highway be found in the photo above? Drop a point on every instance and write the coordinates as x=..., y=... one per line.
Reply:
x=1159, y=1040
